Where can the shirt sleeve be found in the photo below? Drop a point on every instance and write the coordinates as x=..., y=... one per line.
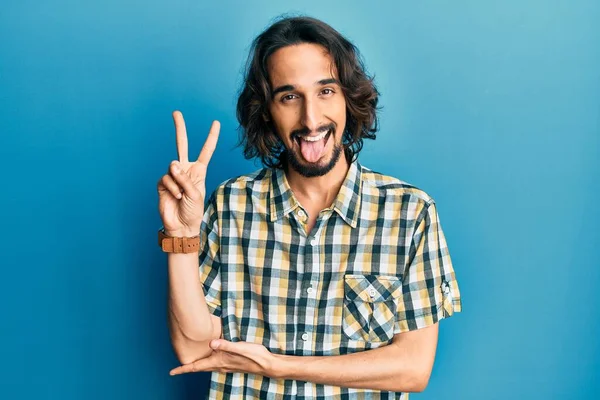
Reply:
x=209, y=260
x=429, y=288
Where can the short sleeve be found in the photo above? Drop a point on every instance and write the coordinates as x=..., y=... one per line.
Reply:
x=209, y=262
x=429, y=288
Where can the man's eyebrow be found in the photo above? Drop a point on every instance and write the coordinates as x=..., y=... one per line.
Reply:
x=289, y=88
x=328, y=81
x=284, y=88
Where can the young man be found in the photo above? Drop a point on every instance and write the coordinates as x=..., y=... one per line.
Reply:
x=319, y=278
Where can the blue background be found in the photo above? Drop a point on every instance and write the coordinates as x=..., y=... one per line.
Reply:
x=493, y=108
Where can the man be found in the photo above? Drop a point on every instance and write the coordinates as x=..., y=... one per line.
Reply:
x=319, y=278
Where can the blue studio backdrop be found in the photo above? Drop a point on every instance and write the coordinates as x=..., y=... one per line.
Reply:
x=493, y=108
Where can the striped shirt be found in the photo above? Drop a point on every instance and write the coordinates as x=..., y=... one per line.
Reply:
x=375, y=264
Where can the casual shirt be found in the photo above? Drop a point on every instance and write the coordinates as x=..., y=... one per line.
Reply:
x=375, y=264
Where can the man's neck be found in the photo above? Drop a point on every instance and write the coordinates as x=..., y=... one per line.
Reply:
x=320, y=190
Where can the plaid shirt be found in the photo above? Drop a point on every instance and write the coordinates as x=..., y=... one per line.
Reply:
x=375, y=264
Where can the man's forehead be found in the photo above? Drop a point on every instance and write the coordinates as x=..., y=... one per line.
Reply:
x=301, y=64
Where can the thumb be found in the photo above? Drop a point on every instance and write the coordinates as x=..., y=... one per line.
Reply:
x=225, y=345
x=216, y=344
x=184, y=180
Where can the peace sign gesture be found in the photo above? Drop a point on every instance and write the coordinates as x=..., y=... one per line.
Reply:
x=182, y=190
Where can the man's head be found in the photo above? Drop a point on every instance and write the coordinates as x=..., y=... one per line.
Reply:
x=306, y=98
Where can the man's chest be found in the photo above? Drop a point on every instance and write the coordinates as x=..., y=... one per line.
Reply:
x=379, y=246
x=334, y=290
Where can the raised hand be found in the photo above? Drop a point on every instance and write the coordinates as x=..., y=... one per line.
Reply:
x=181, y=191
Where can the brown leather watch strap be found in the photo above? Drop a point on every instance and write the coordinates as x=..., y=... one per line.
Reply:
x=170, y=244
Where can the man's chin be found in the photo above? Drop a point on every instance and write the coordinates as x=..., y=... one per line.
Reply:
x=321, y=162
x=310, y=169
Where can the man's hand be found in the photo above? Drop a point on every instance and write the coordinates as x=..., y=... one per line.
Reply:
x=233, y=357
x=181, y=191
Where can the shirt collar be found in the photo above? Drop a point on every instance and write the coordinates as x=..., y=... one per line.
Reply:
x=346, y=204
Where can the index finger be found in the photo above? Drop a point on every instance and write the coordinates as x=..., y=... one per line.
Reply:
x=204, y=364
x=210, y=144
x=180, y=137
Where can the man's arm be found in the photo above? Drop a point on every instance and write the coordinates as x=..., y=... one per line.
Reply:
x=403, y=366
x=191, y=325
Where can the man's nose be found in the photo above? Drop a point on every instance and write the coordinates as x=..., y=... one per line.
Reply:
x=311, y=115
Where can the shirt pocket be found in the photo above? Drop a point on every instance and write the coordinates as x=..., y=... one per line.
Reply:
x=370, y=304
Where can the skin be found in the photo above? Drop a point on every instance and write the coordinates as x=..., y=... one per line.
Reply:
x=182, y=190
x=402, y=366
x=311, y=99
x=303, y=105
x=181, y=194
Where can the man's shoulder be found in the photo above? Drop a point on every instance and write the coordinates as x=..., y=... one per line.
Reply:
x=254, y=182
x=376, y=183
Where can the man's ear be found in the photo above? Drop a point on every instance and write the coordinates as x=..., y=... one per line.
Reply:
x=266, y=116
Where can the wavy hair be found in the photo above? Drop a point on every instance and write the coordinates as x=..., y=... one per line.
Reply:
x=257, y=134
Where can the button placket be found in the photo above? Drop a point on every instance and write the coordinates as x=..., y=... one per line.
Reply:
x=301, y=215
x=302, y=218
x=314, y=239
x=310, y=282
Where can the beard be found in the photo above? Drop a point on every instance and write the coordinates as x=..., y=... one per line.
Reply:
x=312, y=170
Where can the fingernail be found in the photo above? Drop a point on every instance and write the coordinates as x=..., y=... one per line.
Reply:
x=176, y=168
x=214, y=344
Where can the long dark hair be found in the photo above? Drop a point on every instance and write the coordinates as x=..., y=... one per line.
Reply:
x=257, y=133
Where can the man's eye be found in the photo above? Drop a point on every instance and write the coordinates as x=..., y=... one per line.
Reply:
x=327, y=91
x=288, y=97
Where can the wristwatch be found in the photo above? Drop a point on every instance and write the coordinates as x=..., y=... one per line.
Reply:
x=171, y=244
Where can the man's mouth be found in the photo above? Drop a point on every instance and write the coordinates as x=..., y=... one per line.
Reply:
x=323, y=135
x=312, y=148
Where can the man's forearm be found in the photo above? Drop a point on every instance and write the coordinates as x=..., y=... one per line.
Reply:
x=187, y=306
x=190, y=322
x=390, y=368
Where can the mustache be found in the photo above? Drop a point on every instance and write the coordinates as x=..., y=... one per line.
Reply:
x=305, y=131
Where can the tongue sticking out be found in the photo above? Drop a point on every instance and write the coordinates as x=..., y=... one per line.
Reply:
x=312, y=151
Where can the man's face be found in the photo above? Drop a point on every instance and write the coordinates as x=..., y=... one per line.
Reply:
x=308, y=108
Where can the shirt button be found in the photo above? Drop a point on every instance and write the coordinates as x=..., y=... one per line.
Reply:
x=301, y=213
x=310, y=290
x=305, y=336
x=372, y=292
x=313, y=242
x=446, y=288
